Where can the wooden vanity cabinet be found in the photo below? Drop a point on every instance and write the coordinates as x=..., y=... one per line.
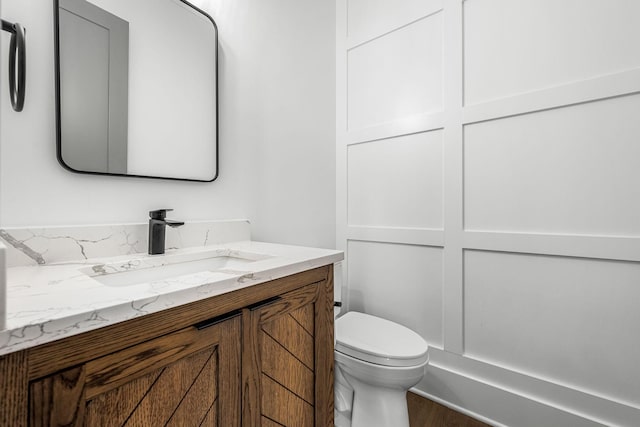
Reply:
x=259, y=356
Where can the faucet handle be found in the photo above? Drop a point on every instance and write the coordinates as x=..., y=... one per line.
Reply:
x=159, y=214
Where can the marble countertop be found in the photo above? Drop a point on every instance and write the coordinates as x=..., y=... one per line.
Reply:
x=53, y=301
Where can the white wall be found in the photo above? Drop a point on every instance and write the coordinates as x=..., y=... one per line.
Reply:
x=285, y=90
x=487, y=197
x=277, y=147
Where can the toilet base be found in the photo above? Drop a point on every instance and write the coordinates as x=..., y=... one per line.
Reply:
x=379, y=407
x=343, y=400
x=341, y=419
x=379, y=392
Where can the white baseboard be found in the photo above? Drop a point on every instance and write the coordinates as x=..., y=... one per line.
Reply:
x=500, y=405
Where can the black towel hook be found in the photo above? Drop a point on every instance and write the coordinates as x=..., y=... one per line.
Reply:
x=17, y=63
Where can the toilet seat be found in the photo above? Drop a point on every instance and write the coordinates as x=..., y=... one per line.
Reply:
x=379, y=341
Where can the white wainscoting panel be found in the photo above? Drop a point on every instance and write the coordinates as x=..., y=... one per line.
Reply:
x=570, y=319
x=397, y=75
x=566, y=170
x=396, y=182
x=370, y=18
x=488, y=196
x=402, y=283
x=513, y=47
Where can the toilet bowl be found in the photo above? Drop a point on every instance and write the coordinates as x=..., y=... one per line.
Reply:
x=376, y=362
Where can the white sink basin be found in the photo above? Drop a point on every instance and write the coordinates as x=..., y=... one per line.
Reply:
x=155, y=269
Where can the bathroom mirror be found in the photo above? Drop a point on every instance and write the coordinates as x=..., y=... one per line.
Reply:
x=136, y=88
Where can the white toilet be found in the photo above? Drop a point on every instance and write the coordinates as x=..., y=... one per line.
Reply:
x=376, y=362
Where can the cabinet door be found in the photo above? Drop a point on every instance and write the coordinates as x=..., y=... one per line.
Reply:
x=288, y=361
x=188, y=378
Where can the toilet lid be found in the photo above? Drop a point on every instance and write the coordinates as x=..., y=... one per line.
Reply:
x=379, y=341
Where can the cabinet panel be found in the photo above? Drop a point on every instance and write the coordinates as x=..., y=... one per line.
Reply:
x=173, y=386
x=170, y=381
x=111, y=371
x=281, y=364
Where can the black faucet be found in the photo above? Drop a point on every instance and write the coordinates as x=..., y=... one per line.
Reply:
x=157, y=228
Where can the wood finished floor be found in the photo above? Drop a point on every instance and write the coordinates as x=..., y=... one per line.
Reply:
x=426, y=413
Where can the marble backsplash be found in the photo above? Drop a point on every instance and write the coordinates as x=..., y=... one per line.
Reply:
x=45, y=245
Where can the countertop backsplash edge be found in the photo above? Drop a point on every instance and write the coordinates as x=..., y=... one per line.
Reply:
x=31, y=246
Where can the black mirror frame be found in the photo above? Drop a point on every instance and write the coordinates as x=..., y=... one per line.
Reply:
x=56, y=38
